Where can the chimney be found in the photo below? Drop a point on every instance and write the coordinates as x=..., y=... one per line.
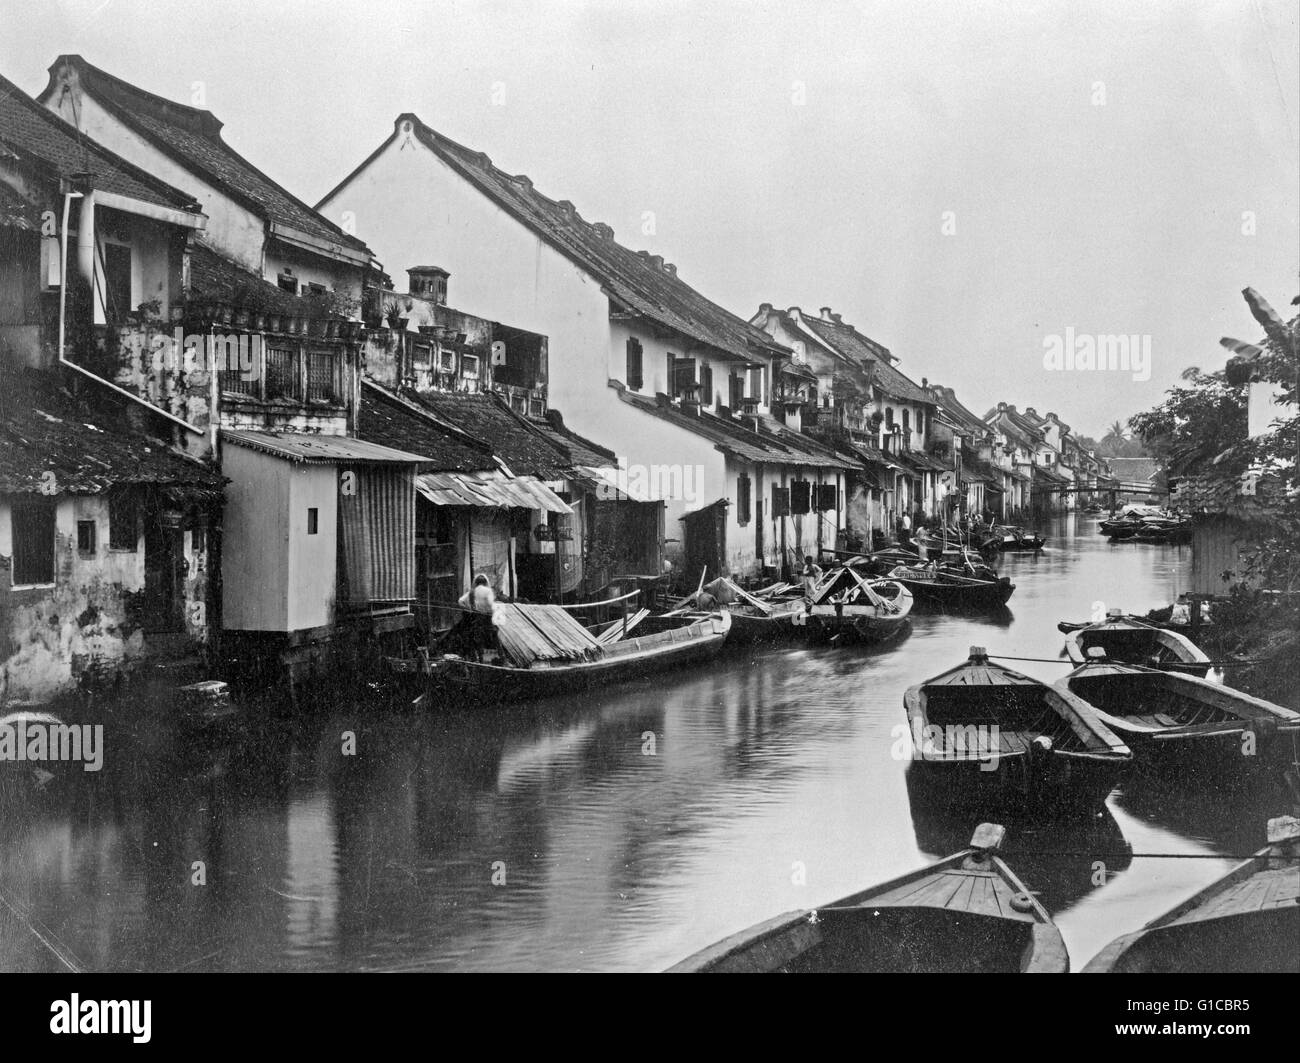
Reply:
x=826, y=314
x=603, y=230
x=764, y=308
x=657, y=261
x=836, y=319
x=670, y=268
x=924, y=382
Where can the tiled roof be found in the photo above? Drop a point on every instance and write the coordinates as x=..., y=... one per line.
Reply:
x=42, y=430
x=525, y=451
x=1133, y=469
x=857, y=347
x=581, y=451
x=776, y=445
x=1223, y=494
x=216, y=278
x=393, y=421
x=34, y=133
x=964, y=417
x=193, y=138
x=633, y=279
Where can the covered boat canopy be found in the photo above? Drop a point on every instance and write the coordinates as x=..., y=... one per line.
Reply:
x=531, y=633
x=489, y=489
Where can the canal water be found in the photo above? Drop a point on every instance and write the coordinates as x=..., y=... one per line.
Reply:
x=617, y=831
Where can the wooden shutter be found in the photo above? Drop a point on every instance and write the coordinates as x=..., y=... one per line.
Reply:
x=780, y=501
x=743, y=488
x=828, y=496
x=800, y=496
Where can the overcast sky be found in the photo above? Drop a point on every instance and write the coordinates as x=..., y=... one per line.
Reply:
x=1092, y=162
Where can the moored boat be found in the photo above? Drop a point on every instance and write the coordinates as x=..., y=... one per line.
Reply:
x=847, y=605
x=1184, y=722
x=939, y=586
x=983, y=733
x=967, y=913
x=545, y=652
x=1247, y=921
x=1129, y=640
x=1007, y=539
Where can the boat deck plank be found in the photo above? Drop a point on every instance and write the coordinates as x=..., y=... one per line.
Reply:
x=1276, y=888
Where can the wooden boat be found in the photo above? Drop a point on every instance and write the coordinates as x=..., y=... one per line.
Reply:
x=1128, y=640
x=1247, y=921
x=981, y=732
x=1160, y=531
x=968, y=913
x=1006, y=539
x=846, y=605
x=545, y=652
x=1129, y=519
x=939, y=586
x=1184, y=722
x=764, y=616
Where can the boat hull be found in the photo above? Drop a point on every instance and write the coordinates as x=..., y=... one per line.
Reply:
x=1053, y=784
x=456, y=681
x=968, y=913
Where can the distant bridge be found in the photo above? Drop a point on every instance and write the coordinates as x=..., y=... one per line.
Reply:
x=1123, y=487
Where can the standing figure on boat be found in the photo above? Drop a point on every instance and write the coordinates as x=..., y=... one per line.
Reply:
x=810, y=575
x=482, y=603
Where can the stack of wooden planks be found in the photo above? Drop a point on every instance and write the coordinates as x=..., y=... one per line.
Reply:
x=530, y=633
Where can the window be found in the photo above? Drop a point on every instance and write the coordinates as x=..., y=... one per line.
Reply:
x=780, y=501
x=123, y=532
x=735, y=392
x=281, y=373
x=706, y=385
x=635, y=366
x=828, y=497
x=469, y=366
x=314, y=289
x=33, y=538
x=743, y=505
x=117, y=282
x=86, y=537
x=313, y=520
x=889, y=418
x=907, y=423
x=228, y=357
x=288, y=282
x=322, y=376
x=672, y=375
x=800, y=496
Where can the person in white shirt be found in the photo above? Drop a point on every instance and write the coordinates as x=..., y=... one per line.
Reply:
x=482, y=605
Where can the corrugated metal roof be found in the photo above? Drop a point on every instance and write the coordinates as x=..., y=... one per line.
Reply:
x=488, y=489
x=322, y=450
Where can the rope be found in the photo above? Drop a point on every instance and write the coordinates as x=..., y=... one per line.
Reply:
x=1124, y=855
x=1177, y=665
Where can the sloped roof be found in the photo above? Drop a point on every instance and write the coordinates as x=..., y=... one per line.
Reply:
x=1132, y=469
x=857, y=347
x=43, y=430
x=393, y=421
x=215, y=277
x=1011, y=427
x=33, y=133
x=525, y=450
x=311, y=449
x=776, y=445
x=192, y=137
x=962, y=415
x=632, y=279
x=580, y=450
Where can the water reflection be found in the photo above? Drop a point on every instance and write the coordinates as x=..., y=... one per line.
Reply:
x=614, y=831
